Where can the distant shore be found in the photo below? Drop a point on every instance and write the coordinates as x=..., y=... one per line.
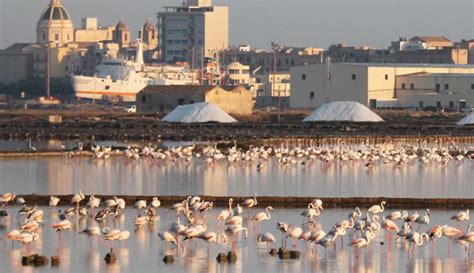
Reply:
x=110, y=125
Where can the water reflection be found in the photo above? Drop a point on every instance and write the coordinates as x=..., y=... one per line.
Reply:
x=63, y=175
x=143, y=251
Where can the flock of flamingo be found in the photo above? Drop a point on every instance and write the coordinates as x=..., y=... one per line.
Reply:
x=389, y=153
x=189, y=223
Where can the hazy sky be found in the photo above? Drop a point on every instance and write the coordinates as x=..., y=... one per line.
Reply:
x=316, y=23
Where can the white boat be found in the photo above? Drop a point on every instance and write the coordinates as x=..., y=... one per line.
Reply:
x=121, y=80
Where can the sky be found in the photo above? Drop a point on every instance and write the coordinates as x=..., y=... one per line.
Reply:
x=316, y=23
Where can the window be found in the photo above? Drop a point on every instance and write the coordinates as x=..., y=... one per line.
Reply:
x=438, y=87
x=420, y=104
x=412, y=86
x=353, y=76
x=125, y=37
x=107, y=87
x=403, y=86
x=451, y=104
x=303, y=76
x=446, y=86
x=386, y=76
x=143, y=98
x=56, y=37
x=311, y=95
x=472, y=86
x=438, y=104
x=44, y=36
x=67, y=68
x=68, y=37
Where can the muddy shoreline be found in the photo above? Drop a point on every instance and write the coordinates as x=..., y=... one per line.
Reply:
x=281, y=202
x=146, y=130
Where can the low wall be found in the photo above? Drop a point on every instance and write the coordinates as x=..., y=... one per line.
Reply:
x=282, y=202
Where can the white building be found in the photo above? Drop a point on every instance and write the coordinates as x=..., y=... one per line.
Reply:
x=383, y=85
x=195, y=28
x=273, y=87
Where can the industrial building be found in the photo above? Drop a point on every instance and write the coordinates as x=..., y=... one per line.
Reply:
x=383, y=85
x=164, y=98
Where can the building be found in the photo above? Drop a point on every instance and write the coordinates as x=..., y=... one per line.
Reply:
x=383, y=85
x=239, y=74
x=273, y=88
x=90, y=32
x=55, y=25
x=164, y=98
x=121, y=35
x=261, y=61
x=16, y=63
x=193, y=31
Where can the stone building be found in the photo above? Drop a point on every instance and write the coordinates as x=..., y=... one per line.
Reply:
x=164, y=98
x=122, y=34
x=55, y=25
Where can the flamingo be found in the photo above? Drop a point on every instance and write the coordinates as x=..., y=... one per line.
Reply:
x=376, y=209
x=415, y=238
x=53, y=201
x=395, y=215
x=262, y=216
x=168, y=238
x=294, y=233
x=249, y=203
x=461, y=216
x=140, y=221
x=224, y=214
x=267, y=238
x=91, y=231
x=93, y=203
x=155, y=203
x=62, y=225
x=139, y=205
x=423, y=219
x=389, y=225
x=310, y=212
x=233, y=230
x=355, y=214
x=284, y=228
x=29, y=226
x=77, y=198
x=467, y=239
x=359, y=243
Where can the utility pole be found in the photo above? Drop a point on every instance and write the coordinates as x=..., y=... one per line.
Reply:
x=275, y=47
x=48, y=71
x=192, y=67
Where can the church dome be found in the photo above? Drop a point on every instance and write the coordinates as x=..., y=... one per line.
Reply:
x=55, y=11
x=121, y=26
x=54, y=25
x=148, y=26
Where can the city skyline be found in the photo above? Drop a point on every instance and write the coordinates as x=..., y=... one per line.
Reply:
x=340, y=21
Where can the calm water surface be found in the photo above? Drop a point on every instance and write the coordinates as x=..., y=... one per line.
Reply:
x=63, y=175
x=143, y=251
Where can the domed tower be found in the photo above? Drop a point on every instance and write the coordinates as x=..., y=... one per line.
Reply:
x=150, y=35
x=54, y=25
x=122, y=34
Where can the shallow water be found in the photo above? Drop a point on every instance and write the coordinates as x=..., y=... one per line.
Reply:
x=147, y=176
x=143, y=251
x=45, y=145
